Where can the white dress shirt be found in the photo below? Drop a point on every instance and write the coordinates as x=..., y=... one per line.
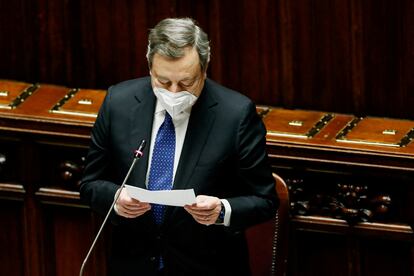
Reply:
x=180, y=125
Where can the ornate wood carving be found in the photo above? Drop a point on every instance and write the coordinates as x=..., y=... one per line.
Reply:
x=353, y=203
x=71, y=173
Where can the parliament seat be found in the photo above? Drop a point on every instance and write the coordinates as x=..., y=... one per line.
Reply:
x=268, y=242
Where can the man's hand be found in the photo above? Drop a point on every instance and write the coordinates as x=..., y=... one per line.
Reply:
x=129, y=207
x=206, y=209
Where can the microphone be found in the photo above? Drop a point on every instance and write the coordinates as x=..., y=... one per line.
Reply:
x=138, y=153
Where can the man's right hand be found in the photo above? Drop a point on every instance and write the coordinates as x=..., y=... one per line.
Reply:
x=129, y=207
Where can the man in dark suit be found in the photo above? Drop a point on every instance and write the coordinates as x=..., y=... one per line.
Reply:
x=202, y=136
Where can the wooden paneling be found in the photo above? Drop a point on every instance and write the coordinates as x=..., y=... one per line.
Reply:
x=382, y=257
x=307, y=260
x=68, y=234
x=338, y=56
x=12, y=252
x=46, y=230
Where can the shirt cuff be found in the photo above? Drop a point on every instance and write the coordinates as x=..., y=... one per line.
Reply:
x=115, y=208
x=227, y=213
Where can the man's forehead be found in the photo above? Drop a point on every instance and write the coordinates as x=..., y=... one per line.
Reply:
x=190, y=57
x=187, y=66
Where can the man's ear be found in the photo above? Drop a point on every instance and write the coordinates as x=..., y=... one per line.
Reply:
x=205, y=72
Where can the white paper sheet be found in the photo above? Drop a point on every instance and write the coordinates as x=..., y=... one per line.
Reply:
x=169, y=197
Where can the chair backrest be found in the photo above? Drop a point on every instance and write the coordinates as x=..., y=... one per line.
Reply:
x=268, y=242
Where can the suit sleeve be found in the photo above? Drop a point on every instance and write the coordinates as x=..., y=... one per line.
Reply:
x=254, y=172
x=97, y=190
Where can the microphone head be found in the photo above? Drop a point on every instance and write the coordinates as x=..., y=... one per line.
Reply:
x=138, y=153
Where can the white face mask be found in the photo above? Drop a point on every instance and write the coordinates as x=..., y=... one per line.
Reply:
x=174, y=103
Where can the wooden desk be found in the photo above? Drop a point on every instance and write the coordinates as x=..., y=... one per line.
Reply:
x=351, y=190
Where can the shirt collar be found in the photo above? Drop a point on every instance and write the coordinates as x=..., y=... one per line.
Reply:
x=158, y=107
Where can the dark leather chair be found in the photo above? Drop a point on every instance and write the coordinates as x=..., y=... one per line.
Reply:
x=268, y=242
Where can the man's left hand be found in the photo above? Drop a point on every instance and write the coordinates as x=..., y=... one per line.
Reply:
x=206, y=209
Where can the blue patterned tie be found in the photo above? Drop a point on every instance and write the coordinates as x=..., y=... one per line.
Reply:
x=162, y=163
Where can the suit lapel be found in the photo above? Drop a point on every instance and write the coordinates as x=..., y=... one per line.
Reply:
x=201, y=120
x=142, y=115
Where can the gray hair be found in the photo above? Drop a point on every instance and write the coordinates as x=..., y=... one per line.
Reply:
x=172, y=35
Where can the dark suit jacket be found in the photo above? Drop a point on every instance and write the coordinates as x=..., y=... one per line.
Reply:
x=223, y=155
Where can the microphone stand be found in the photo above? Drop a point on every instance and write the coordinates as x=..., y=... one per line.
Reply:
x=137, y=155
